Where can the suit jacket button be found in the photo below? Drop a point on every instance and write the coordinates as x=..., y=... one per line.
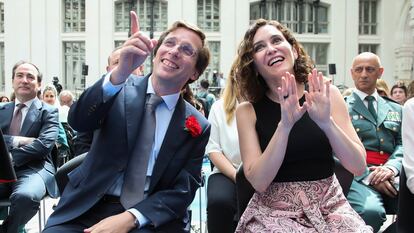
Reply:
x=357, y=129
x=378, y=129
x=382, y=140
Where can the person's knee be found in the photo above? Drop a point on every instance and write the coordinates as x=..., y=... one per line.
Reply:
x=24, y=201
x=374, y=216
x=375, y=211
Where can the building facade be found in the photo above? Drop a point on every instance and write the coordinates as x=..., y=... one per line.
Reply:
x=71, y=39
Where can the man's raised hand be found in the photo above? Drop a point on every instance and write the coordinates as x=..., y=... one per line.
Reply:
x=133, y=52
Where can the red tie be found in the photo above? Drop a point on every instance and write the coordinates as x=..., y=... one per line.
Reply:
x=16, y=121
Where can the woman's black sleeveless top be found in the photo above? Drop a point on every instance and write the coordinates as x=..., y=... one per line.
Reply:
x=308, y=154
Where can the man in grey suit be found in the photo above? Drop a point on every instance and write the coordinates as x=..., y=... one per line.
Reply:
x=31, y=129
x=115, y=108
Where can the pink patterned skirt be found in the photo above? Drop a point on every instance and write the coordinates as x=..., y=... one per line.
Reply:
x=304, y=206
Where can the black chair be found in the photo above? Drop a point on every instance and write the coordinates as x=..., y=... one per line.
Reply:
x=405, y=221
x=7, y=173
x=245, y=190
x=344, y=177
x=61, y=174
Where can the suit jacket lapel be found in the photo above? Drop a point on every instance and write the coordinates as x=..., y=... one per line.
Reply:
x=31, y=116
x=360, y=108
x=134, y=97
x=174, y=138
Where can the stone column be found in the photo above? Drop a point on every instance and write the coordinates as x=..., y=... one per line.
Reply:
x=404, y=62
x=404, y=54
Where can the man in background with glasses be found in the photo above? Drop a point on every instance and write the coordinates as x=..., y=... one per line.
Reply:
x=104, y=194
x=377, y=121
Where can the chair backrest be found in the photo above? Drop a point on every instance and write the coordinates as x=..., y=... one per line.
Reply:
x=70, y=135
x=61, y=174
x=344, y=177
x=245, y=190
x=7, y=173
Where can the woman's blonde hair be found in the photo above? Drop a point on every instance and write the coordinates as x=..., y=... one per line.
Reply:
x=231, y=95
x=52, y=88
x=383, y=87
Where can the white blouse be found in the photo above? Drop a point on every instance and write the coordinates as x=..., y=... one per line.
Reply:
x=223, y=137
x=408, y=142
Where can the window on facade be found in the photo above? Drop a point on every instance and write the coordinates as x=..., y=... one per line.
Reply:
x=153, y=9
x=118, y=43
x=208, y=15
x=319, y=54
x=74, y=58
x=74, y=16
x=373, y=48
x=1, y=17
x=367, y=17
x=304, y=16
x=214, y=65
x=122, y=9
x=2, y=78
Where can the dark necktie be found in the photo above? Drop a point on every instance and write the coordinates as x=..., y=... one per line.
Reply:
x=136, y=172
x=16, y=121
x=371, y=107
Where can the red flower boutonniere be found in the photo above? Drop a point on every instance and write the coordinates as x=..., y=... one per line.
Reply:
x=192, y=126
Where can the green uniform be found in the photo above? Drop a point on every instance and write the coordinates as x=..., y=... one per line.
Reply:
x=382, y=135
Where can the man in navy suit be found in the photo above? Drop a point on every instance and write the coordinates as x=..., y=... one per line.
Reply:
x=114, y=108
x=30, y=146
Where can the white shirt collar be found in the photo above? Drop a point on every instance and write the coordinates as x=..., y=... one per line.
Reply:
x=169, y=100
x=27, y=103
x=362, y=94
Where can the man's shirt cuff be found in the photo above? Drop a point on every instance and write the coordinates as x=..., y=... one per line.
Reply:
x=15, y=142
x=109, y=89
x=143, y=221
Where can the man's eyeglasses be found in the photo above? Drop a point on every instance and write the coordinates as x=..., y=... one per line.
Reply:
x=369, y=69
x=183, y=48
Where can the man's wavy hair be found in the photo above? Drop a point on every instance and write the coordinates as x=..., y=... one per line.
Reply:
x=21, y=62
x=252, y=84
x=203, y=54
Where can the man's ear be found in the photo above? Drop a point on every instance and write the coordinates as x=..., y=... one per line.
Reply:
x=381, y=70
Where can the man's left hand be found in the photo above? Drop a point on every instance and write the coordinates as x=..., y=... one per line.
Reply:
x=119, y=223
x=380, y=174
x=386, y=188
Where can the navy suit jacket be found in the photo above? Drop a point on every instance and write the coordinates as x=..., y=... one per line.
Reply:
x=42, y=123
x=177, y=171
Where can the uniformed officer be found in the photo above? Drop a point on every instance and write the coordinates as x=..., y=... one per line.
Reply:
x=377, y=121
